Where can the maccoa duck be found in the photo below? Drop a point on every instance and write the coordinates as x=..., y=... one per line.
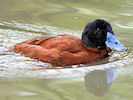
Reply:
x=64, y=50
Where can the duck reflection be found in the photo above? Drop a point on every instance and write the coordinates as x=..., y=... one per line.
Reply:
x=98, y=82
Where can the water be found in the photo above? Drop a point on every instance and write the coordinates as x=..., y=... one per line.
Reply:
x=22, y=78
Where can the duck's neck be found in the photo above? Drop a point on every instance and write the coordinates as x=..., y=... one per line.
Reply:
x=103, y=52
x=93, y=49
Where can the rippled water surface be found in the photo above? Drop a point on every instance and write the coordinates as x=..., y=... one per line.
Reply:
x=22, y=78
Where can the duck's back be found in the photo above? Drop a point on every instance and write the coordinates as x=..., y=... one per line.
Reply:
x=69, y=43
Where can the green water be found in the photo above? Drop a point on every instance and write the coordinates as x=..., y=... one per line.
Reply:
x=21, y=78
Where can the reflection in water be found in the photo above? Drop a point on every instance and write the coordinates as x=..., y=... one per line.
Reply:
x=98, y=82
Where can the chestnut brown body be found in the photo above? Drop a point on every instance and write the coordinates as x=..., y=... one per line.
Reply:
x=60, y=50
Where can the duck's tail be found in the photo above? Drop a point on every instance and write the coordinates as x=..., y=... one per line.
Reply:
x=6, y=49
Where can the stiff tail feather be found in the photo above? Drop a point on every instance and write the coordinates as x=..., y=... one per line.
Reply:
x=6, y=49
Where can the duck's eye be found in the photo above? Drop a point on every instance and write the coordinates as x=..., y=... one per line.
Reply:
x=98, y=29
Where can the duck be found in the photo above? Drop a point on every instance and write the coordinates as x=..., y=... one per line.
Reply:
x=96, y=42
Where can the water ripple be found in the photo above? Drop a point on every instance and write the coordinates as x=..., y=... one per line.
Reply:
x=14, y=66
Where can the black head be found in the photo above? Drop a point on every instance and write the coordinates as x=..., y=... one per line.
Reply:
x=95, y=33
